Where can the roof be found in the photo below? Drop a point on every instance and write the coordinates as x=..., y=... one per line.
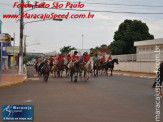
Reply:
x=102, y=51
x=149, y=42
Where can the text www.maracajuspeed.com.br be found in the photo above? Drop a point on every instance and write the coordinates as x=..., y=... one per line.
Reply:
x=49, y=16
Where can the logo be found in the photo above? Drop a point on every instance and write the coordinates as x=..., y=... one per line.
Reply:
x=17, y=112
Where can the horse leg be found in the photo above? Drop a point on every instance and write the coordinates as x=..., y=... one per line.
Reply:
x=111, y=71
x=75, y=77
x=71, y=74
x=80, y=75
x=94, y=72
x=106, y=72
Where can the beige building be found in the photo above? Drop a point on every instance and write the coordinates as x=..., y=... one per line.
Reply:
x=145, y=50
x=145, y=58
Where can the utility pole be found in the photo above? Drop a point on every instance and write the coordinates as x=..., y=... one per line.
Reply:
x=21, y=41
x=1, y=45
x=25, y=37
x=14, y=53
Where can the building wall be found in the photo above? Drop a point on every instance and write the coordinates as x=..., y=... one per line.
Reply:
x=136, y=66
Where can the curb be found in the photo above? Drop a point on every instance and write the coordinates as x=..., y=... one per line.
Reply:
x=141, y=76
x=14, y=83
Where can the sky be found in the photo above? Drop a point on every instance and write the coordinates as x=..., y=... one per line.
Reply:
x=52, y=35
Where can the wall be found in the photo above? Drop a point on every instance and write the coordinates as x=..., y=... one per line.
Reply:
x=146, y=67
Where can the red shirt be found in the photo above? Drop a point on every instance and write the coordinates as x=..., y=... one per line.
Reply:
x=51, y=59
x=109, y=58
x=102, y=59
x=75, y=57
x=68, y=59
x=60, y=59
x=37, y=60
x=86, y=58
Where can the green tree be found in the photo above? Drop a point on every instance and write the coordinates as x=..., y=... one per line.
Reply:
x=103, y=45
x=128, y=32
x=67, y=49
x=25, y=60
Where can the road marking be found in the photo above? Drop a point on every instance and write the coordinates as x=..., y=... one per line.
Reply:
x=147, y=77
x=33, y=78
x=27, y=101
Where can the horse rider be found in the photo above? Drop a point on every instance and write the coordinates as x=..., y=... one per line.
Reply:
x=82, y=57
x=95, y=59
x=42, y=65
x=86, y=57
x=60, y=58
x=51, y=60
x=103, y=59
x=109, y=58
x=36, y=60
x=75, y=57
x=68, y=58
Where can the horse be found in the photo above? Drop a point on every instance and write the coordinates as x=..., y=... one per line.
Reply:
x=96, y=68
x=36, y=66
x=46, y=72
x=54, y=69
x=74, y=70
x=110, y=65
x=60, y=68
x=87, y=71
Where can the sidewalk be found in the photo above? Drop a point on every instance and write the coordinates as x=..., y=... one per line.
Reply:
x=135, y=74
x=9, y=77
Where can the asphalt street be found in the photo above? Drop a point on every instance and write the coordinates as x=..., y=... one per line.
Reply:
x=103, y=99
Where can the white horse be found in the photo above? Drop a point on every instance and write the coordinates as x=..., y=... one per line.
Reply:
x=87, y=70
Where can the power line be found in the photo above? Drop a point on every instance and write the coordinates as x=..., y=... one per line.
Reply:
x=116, y=4
x=123, y=5
x=104, y=11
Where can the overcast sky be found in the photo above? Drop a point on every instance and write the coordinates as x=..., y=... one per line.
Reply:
x=53, y=35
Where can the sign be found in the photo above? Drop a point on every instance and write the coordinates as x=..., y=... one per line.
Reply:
x=9, y=49
x=17, y=112
x=2, y=38
x=7, y=38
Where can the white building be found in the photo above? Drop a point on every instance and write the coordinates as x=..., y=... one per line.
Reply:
x=145, y=58
x=145, y=50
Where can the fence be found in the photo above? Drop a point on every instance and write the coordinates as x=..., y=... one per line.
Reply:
x=138, y=62
x=139, y=57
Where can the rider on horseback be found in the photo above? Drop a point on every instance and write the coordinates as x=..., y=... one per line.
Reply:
x=95, y=59
x=60, y=58
x=51, y=60
x=43, y=63
x=109, y=58
x=86, y=57
x=75, y=57
x=68, y=58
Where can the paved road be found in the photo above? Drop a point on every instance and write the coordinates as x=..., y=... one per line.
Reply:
x=104, y=99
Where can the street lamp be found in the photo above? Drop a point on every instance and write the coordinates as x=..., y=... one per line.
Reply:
x=82, y=41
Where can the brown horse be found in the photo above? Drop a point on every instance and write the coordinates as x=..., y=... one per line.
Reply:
x=75, y=70
x=46, y=72
x=60, y=68
x=54, y=70
x=97, y=67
